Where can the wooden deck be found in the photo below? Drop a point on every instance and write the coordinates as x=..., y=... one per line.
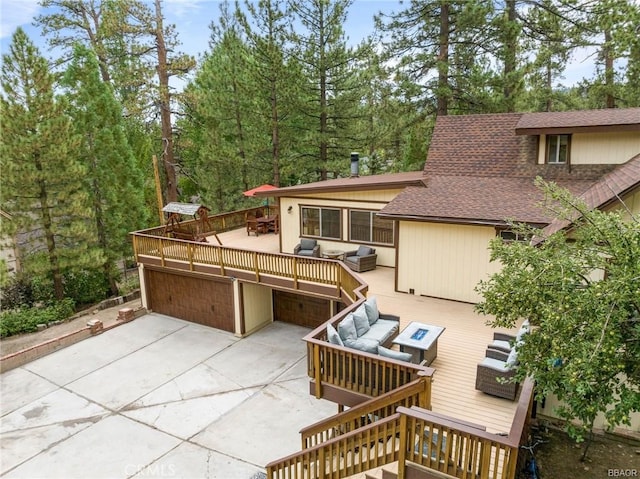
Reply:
x=460, y=347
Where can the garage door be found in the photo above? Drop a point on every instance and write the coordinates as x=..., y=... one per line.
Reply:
x=198, y=299
x=301, y=310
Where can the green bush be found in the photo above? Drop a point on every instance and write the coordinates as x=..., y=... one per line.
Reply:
x=86, y=287
x=26, y=320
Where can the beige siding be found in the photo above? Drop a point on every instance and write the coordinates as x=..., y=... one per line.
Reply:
x=599, y=148
x=371, y=200
x=631, y=205
x=257, y=306
x=444, y=261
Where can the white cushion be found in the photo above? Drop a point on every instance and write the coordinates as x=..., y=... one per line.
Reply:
x=512, y=360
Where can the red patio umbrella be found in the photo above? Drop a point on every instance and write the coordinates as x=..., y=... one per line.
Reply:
x=260, y=188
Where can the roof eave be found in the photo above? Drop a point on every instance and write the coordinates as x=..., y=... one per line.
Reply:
x=341, y=188
x=564, y=130
x=459, y=221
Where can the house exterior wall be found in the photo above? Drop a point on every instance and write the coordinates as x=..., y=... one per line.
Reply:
x=291, y=227
x=598, y=148
x=444, y=260
x=257, y=306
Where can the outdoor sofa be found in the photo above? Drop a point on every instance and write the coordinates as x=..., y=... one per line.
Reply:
x=368, y=330
x=362, y=259
x=494, y=375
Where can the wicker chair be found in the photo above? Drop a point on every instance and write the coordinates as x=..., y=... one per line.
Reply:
x=362, y=259
x=495, y=373
x=307, y=247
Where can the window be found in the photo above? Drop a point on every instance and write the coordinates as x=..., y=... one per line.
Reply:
x=508, y=235
x=321, y=222
x=558, y=149
x=366, y=227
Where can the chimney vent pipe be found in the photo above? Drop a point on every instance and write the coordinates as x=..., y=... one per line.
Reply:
x=355, y=165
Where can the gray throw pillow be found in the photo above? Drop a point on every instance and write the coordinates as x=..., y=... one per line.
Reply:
x=363, y=251
x=332, y=335
x=390, y=353
x=347, y=328
x=371, y=307
x=361, y=320
x=307, y=243
x=363, y=344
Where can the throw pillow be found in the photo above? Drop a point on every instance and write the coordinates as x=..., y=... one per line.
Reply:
x=361, y=320
x=390, y=353
x=371, y=307
x=363, y=251
x=332, y=335
x=347, y=328
x=363, y=344
x=512, y=359
x=307, y=243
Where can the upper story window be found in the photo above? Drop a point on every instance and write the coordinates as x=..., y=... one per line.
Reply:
x=558, y=149
x=321, y=222
x=366, y=227
x=509, y=235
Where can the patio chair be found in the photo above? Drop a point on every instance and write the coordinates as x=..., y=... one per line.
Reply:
x=254, y=226
x=362, y=259
x=307, y=247
x=494, y=374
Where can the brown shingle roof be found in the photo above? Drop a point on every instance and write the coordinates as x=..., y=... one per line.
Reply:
x=479, y=145
x=475, y=200
x=576, y=121
x=370, y=182
x=609, y=189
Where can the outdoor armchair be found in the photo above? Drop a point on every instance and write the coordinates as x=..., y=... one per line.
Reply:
x=495, y=372
x=307, y=247
x=362, y=259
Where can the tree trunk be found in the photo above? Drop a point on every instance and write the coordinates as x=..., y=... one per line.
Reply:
x=442, y=107
x=47, y=223
x=610, y=99
x=510, y=61
x=165, y=109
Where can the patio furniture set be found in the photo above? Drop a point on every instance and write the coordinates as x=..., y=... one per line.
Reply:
x=368, y=330
x=495, y=373
x=360, y=260
x=257, y=223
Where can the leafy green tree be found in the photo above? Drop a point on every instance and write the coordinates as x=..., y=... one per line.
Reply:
x=113, y=180
x=42, y=177
x=581, y=292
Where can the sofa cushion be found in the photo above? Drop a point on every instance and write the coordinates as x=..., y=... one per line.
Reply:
x=306, y=243
x=364, y=250
x=363, y=344
x=347, y=328
x=382, y=330
x=332, y=335
x=371, y=307
x=524, y=329
x=512, y=360
x=495, y=364
x=390, y=353
x=361, y=320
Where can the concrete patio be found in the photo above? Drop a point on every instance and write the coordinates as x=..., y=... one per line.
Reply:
x=159, y=397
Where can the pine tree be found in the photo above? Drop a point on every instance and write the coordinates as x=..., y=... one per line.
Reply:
x=113, y=179
x=43, y=186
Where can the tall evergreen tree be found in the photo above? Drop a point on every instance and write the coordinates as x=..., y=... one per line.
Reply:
x=113, y=179
x=330, y=98
x=42, y=180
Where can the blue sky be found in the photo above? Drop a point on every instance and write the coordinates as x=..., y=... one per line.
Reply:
x=192, y=19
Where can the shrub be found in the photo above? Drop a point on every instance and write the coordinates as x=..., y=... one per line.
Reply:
x=86, y=287
x=16, y=293
x=26, y=320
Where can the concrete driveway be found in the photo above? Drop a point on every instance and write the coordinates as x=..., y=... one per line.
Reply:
x=159, y=397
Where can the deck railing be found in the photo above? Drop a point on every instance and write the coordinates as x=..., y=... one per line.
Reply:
x=413, y=437
x=415, y=393
x=227, y=261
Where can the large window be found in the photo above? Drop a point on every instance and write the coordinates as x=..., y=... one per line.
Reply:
x=321, y=222
x=366, y=227
x=558, y=149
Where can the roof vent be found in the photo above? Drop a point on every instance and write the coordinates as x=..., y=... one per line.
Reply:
x=355, y=161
